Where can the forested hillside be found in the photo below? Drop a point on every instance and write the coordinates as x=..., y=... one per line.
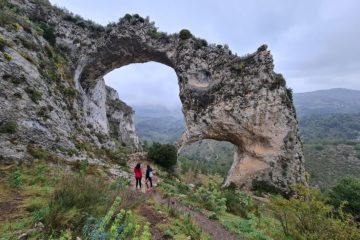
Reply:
x=337, y=100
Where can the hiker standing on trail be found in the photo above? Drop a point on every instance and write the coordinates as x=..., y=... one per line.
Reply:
x=148, y=176
x=138, y=175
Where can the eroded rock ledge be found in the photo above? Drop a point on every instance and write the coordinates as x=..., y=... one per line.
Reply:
x=225, y=97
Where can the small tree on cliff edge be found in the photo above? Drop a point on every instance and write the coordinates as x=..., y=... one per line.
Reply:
x=163, y=154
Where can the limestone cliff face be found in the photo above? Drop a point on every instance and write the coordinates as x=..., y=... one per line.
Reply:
x=225, y=97
x=121, y=120
x=40, y=104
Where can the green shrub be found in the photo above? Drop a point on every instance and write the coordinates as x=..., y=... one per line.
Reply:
x=28, y=43
x=40, y=173
x=211, y=198
x=133, y=19
x=7, y=56
x=191, y=229
x=68, y=92
x=185, y=34
x=33, y=94
x=238, y=202
x=39, y=215
x=163, y=154
x=289, y=92
x=3, y=44
x=48, y=33
x=306, y=216
x=15, y=178
x=278, y=81
x=182, y=188
x=119, y=156
x=8, y=127
x=18, y=80
x=346, y=191
x=199, y=43
x=38, y=152
x=213, y=216
x=43, y=112
x=155, y=34
x=127, y=17
x=244, y=228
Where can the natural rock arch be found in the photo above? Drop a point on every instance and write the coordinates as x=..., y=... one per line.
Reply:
x=224, y=97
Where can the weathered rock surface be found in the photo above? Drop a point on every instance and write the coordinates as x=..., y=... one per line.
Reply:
x=121, y=120
x=225, y=97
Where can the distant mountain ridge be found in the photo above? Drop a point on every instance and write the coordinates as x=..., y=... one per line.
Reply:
x=331, y=101
x=158, y=111
x=320, y=102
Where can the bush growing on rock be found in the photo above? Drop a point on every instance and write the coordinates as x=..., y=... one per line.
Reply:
x=7, y=56
x=133, y=19
x=48, y=33
x=28, y=43
x=3, y=44
x=155, y=34
x=289, y=92
x=279, y=81
x=163, y=154
x=33, y=94
x=38, y=152
x=8, y=127
x=185, y=34
x=199, y=43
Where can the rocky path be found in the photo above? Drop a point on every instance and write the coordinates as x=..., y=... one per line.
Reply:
x=10, y=209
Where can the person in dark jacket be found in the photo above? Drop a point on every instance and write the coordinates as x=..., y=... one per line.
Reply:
x=138, y=175
x=148, y=176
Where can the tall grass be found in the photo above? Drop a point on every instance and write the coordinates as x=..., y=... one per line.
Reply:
x=75, y=199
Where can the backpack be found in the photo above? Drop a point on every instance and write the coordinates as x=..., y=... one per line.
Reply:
x=151, y=174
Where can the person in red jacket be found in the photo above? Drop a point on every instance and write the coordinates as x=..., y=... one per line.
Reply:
x=138, y=175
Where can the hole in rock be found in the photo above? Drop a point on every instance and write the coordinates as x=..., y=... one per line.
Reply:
x=152, y=90
x=207, y=157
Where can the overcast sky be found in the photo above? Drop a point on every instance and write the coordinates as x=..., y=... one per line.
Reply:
x=315, y=43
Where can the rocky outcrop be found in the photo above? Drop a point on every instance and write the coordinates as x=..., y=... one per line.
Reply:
x=225, y=97
x=121, y=120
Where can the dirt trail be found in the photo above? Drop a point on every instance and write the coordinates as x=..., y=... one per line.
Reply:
x=154, y=218
x=213, y=228
x=10, y=209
